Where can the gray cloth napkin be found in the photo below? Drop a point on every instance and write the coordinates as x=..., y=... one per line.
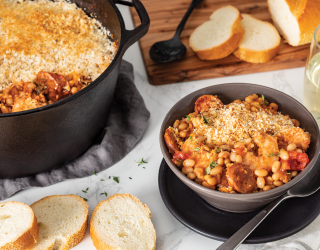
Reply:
x=126, y=124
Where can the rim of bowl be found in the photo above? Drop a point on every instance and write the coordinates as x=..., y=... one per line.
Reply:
x=270, y=194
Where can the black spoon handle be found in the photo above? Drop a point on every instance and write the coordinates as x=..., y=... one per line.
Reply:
x=186, y=16
x=236, y=239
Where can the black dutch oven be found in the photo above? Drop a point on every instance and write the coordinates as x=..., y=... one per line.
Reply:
x=42, y=139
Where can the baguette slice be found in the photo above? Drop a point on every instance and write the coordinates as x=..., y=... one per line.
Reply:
x=261, y=41
x=296, y=20
x=218, y=37
x=18, y=226
x=122, y=222
x=63, y=221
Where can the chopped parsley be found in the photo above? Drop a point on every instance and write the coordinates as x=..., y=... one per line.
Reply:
x=141, y=162
x=273, y=154
x=197, y=149
x=205, y=120
x=85, y=191
x=211, y=166
x=84, y=198
x=288, y=173
x=94, y=172
x=195, y=141
x=104, y=193
x=102, y=180
x=109, y=177
x=218, y=150
x=130, y=178
x=188, y=116
x=264, y=101
x=116, y=179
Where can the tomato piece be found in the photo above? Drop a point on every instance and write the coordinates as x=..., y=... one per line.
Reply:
x=179, y=155
x=297, y=161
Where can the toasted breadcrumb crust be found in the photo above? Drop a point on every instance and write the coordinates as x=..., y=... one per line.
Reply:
x=75, y=238
x=99, y=243
x=55, y=37
x=29, y=237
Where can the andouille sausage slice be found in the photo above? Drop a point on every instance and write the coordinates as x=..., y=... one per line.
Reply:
x=241, y=178
x=171, y=141
x=205, y=102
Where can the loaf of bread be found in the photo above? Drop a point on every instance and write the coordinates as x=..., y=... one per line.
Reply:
x=296, y=20
x=18, y=226
x=122, y=222
x=63, y=221
x=261, y=41
x=218, y=37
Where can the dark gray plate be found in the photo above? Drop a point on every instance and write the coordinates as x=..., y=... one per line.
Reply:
x=288, y=218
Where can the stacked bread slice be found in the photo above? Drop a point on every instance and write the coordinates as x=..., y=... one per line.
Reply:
x=121, y=222
x=18, y=226
x=228, y=31
x=295, y=20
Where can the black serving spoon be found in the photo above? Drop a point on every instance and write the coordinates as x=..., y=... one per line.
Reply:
x=166, y=51
x=307, y=186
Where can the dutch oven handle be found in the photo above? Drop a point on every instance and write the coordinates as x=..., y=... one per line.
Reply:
x=129, y=37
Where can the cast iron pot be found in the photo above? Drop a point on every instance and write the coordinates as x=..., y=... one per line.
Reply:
x=42, y=139
x=227, y=93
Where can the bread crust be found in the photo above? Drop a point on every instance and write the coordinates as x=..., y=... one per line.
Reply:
x=75, y=238
x=28, y=238
x=307, y=14
x=226, y=48
x=98, y=243
x=258, y=56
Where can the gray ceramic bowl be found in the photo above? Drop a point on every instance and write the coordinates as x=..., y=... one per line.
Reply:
x=227, y=93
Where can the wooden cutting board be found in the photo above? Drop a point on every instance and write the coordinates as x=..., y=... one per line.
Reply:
x=165, y=15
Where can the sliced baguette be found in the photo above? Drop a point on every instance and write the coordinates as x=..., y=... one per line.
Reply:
x=261, y=41
x=63, y=221
x=218, y=37
x=295, y=20
x=18, y=226
x=122, y=222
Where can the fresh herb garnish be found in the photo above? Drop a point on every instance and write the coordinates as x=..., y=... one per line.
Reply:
x=288, y=173
x=116, y=179
x=94, y=172
x=264, y=101
x=102, y=180
x=188, y=118
x=104, y=193
x=218, y=150
x=197, y=149
x=85, y=191
x=109, y=177
x=205, y=120
x=211, y=166
x=193, y=153
x=84, y=198
x=130, y=178
x=144, y=167
x=141, y=162
x=195, y=141
x=273, y=154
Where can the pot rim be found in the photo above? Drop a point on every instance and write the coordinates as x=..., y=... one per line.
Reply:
x=252, y=196
x=97, y=81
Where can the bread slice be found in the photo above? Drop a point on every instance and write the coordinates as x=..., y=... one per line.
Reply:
x=218, y=37
x=296, y=20
x=63, y=221
x=18, y=226
x=122, y=222
x=261, y=41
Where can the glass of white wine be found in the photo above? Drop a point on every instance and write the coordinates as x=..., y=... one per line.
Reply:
x=311, y=85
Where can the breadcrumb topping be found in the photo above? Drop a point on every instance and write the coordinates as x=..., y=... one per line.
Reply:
x=234, y=123
x=55, y=37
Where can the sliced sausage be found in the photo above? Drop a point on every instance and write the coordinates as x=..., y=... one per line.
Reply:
x=241, y=178
x=171, y=141
x=224, y=185
x=56, y=85
x=205, y=102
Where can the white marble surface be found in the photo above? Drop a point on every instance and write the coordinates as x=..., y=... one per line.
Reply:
x=171, y=234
